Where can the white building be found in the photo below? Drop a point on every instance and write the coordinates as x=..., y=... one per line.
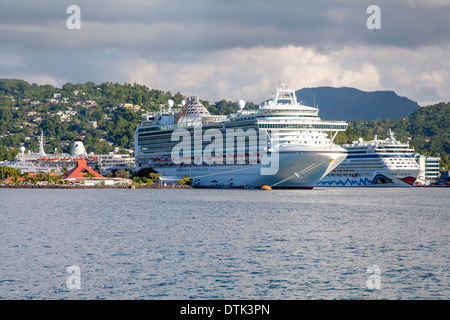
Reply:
x=429, y=168
x=112, y=161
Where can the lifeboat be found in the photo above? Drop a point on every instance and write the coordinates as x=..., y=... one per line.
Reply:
x=266, y=187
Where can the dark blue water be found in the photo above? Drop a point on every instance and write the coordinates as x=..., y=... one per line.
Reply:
x=225, y=244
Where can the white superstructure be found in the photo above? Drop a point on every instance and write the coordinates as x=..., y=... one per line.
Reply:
x=28, y=162
x=286, y=144
x=375, y=163
x=114, y=162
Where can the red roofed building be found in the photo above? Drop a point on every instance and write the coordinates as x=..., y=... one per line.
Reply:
x=80, y=171
x=11, y=179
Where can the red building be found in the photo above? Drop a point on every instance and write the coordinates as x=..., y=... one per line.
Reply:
x=80, y=171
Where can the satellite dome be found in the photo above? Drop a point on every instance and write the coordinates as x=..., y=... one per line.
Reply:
x=22, y=149
x=241, y=104
x=170, y=103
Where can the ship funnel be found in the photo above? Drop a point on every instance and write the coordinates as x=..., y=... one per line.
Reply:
x=78, y=149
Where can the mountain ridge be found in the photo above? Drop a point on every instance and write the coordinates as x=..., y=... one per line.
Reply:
x=348, y=103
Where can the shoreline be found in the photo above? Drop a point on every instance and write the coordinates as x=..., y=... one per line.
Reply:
x=94, y=187
x=152, y=186
x=434, y=186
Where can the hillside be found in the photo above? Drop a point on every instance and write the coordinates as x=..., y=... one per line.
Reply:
x=350, y=103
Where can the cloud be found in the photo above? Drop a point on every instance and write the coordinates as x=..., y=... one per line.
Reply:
x=11, y=60
x=232, y=49
x=251, y=74
x=194, y=26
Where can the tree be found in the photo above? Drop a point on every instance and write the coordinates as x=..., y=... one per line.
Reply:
x=154, y=176
x=145, y=172
x=123, y=173
x=186, y=180
x=89, y=175
x=7, y=172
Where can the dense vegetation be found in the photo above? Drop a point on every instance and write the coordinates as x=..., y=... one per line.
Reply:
x=93, y=113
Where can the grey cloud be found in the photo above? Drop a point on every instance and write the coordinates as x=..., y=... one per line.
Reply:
x=151, y=27
x=34, y=37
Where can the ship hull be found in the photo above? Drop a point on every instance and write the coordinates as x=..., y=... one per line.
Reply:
x=384, y=178
x=300, y=169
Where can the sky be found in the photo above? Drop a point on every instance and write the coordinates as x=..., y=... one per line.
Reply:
x=232, y=49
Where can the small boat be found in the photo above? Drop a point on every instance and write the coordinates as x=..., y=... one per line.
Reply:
x=266, y=187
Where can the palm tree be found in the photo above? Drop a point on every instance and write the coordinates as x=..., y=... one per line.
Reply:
x=27, y=177
x=15, y=179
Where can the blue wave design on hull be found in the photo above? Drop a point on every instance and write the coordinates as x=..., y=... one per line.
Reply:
x=378, y=179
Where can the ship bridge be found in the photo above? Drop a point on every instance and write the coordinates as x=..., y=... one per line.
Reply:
x=285, y=104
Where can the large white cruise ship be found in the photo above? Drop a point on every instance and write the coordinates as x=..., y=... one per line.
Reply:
x=283, y=144
x=375, y=163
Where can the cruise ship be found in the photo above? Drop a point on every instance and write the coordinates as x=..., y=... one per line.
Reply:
x=375, y=163
x=283, y=144
x=28, y=162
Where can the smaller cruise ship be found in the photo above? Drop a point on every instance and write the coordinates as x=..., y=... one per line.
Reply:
x=375, y=163
x=28, y=162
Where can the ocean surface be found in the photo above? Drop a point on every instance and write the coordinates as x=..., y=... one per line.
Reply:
x=163, y=244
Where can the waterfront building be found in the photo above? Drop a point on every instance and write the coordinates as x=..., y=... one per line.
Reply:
x=429, y=168
x=83, y=174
